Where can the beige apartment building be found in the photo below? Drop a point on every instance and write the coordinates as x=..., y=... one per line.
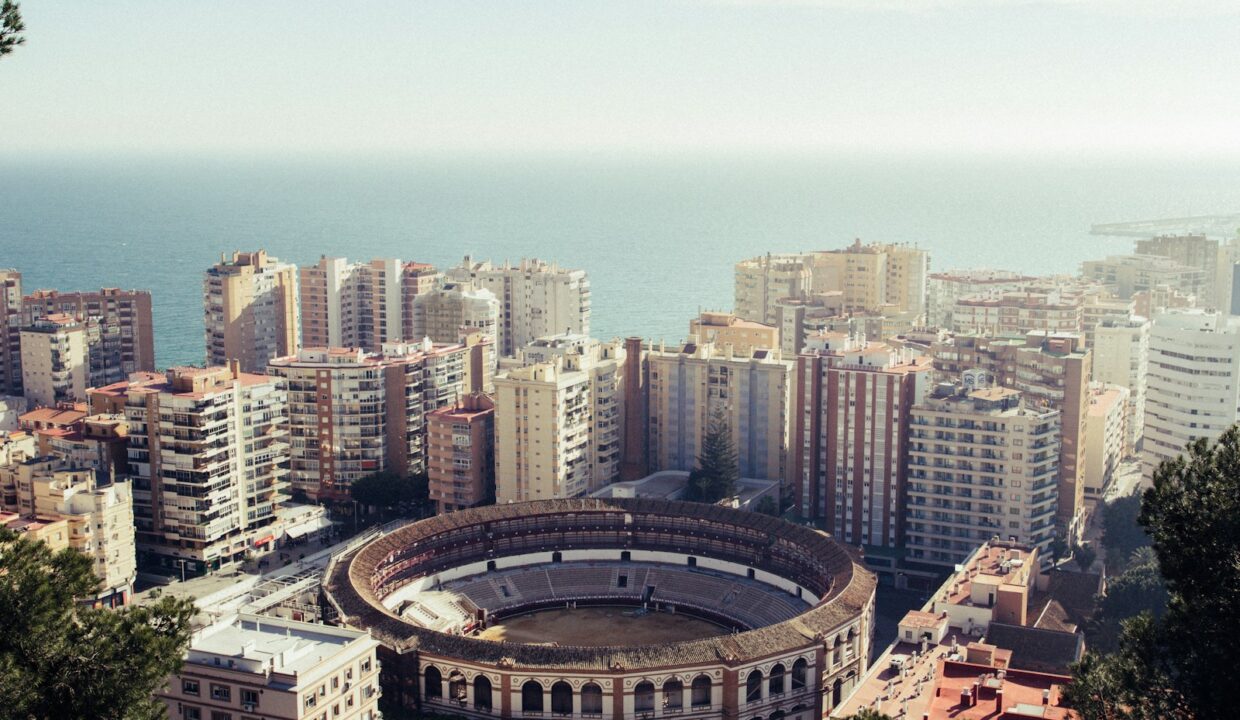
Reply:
x=1130, y=274
x=10, y=332
x=558, y=425
x=352, y=413
x=120, y=331
x=745, y=336
x=850, y=422
x=1017, y=312
x=416, y=279
x=54, y=361
x=247, y=667
x=444, y=314
x=761, y=281
x=981, y=464
x=1121, y=353
x=208, y=456
x=944, y=289
x=250, y=310
x=536, y=299
x=1049, y=368
x=798, y=318
x=460, y=453
x=347, y=304
x=688, y=386
x=1105, y=436
x=874, y=275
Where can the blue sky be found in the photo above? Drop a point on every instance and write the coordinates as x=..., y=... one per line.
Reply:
x=572, y=76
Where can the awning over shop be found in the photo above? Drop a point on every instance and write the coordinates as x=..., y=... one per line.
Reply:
x=305, y=528
x=264, y=540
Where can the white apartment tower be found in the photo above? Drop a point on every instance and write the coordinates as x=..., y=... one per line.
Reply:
x=536, y=299
x=763, y=280
x=55, y=363
x=347, y=304
x=208, y=455
x=558, y=425
x=1193, y=389
x=443, y=315
x=981, y=464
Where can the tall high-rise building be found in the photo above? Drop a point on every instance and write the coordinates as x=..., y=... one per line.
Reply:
x=798, y=318
x=536, y=299
x=445, y=313
x=119, y=330
x=10, y=332
x=352, y=413
x=460, y=453
x=693, y=385
x=761, y=281
x=208, y=456
x=347, y=304
x=1196, y=251
x=1193, y=390
x=1121, y=353
x=250, y=308
x=558, y=425
x=874, y=275
x=55, y=361
x=416, y=279
x=850, y=435
x=981, y=464
x=1050, y=368
x=1105, y=438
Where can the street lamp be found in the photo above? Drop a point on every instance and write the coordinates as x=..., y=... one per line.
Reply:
x=181, y=562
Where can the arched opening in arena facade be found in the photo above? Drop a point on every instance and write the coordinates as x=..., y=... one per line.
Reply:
x=457, y=692
x=837, y=691
x=591, y=699
x=673, y=694
x=800, y=669
x=433, y=680
x=643, y=697
x=753, y=686
x=561, y=698
x=776, y=681
x=700, y=691
x=482, y=693
x=531, y=697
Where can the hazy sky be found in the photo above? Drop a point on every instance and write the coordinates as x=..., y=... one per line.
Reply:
x=624, y=75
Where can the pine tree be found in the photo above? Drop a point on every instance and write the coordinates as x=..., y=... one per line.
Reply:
x=11, y=27
x=717, y=471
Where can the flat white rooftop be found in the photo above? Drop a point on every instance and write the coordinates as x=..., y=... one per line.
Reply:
x=257, y=643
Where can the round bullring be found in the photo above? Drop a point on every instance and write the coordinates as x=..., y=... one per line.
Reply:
x=617, y=608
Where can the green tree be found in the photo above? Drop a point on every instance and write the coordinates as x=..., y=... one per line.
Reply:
x=387, y=490
x=62, y=659
x=1084, y=556
x=869, y=714
x=11, y=27
x=1121, y=533
x=767, y=506
x=1170, y=667
x=1139, y=589
x=1058, y=548
x=717, y=471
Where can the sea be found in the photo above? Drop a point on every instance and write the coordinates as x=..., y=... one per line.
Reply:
x=657, y=235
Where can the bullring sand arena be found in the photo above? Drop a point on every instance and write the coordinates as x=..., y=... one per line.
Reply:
x=594, y=626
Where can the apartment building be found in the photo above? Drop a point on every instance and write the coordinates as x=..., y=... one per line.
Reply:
x=1212, y=257
x=558, y=424
x=54, y=361
x=250, y=310
x=352, y=413
x=444, y=314
x=536, y=299
x=120, y=335
x=1051, y=368
x=944, y=289
x=255, y=666
x=1105, y=438
x=761, y=281
x=745, y=336
x=850, y=434
x=688, y=387
x=798, y=318
x=1017, y=312
x=208, y=456
x=10, y=332
x=1130, y=274
x=1098, y=310
x=99, y=442
x=416, y=279
x=981, y=464
x=347, y=304
x=874, y=275
x=1193, y=387
x=460, y=453
x=1121, y=353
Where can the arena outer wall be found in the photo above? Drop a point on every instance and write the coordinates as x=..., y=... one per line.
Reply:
x=803, y=666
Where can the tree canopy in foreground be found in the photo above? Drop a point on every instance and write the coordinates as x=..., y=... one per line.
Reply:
x=1182, y=665
x=11, y=27
x=62, y=659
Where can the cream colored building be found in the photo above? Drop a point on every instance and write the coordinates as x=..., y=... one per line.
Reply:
x=798, y=318
x=10, y=332
x=1122, y=357
x=687, y=386
x=1105, y=435
x=250, y=310
x=744, y=336
x=943, y=289
x=761, y=281
x=247, y=667
x=875, y=275
x=208, y=456
x=444, y=314
x=558, y=425
x=347, y=304
x=55, y=365
x=536, y=299
x=1130, y=274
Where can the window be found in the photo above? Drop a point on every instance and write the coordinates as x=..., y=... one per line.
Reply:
x=701, y=691
x=531, y=698
x=221, y=692
x=673, y=695
x=434, y=683
x=776, y=683
x=753, y=686
x=366, y=666
x=591, y=699
x=561, y=699
x=249, y=697
x=643, y=697
x=799, y=671
x=189, y=687
x=482, y=693
x=217, y=715
x=191, y=713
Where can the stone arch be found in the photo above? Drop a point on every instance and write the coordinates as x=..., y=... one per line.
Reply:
x=753, y=686
x=482, y=692
x=532, y=697
x=432, y=683
x=561, y=698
